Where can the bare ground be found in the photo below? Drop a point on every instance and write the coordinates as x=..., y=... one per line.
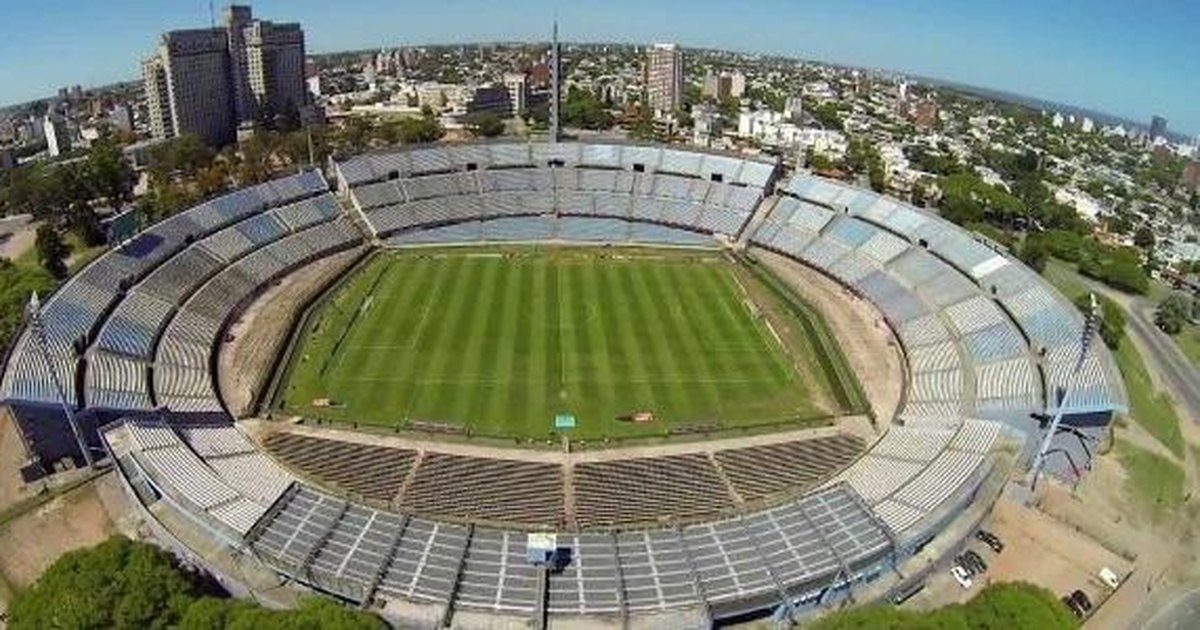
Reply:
x=33, y=541
x=245, y=362
x=23, y=234
x=866, y=340
x=12, y=458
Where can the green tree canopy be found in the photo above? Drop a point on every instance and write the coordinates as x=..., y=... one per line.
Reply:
x=109, y=173
x=585, y=110
x=52, y=251
x=1000, y=606
x=485, y=124
x=1173, y=313
x=117, y=584
x=125, y=584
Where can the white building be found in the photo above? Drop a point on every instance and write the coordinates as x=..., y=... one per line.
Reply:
x=58, y=137
x=518, y=91
x=774, y=129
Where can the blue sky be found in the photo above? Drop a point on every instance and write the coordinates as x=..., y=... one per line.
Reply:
x=1123, y=57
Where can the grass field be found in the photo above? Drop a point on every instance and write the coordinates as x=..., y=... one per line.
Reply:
x=499, y=343
x=1155, y=483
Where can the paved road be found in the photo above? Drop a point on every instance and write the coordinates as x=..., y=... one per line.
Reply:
x=1163, y=356
x=1181, y=614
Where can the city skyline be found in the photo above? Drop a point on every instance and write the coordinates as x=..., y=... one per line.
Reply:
x=1086, y=54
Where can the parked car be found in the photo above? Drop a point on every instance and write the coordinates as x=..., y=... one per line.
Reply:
x=1082, y=599
x=961, y=576
x=961, y=560
x=1070, y=603
x=978, y=565
x=990, y=539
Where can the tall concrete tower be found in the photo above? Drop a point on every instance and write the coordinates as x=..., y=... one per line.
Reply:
x=555, y=84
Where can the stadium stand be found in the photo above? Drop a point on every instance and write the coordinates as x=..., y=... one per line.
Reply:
x=74, y=313
x=729, y=531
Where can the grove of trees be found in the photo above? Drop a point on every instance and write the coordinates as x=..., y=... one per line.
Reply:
x=1175, y=312
x=131, y=585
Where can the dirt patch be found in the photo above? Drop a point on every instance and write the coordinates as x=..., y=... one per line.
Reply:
x=866, y=340
x=244, y=364
x=12, y=459
x=1047, y=552
x=33, y=541
x=21, y=233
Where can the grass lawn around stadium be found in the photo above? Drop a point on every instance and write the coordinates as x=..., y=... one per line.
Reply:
x=498, y=342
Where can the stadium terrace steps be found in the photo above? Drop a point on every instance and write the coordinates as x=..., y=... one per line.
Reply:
x=606, y=493
x=374, y=473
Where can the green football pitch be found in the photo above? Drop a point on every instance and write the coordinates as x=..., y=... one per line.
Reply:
x=499, y=342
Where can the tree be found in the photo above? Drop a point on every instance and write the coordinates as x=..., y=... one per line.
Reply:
x=108, y=172
x=1035, y=253
x=1173, y=313
x=117, y=584
x=1144, y=237
x=584, y=110
x=1007, y=605
x=126, y=584
x=52, y=251
x=485, y=124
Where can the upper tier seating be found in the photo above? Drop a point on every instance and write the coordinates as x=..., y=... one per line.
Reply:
x=74, y=314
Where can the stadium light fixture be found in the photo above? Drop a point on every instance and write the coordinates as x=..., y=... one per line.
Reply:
x=33, y=315
x=1090, y=325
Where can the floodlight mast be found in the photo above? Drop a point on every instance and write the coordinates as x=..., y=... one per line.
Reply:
x=33, y=312
x=1091, y=323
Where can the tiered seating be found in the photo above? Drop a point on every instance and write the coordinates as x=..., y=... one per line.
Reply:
x=192, y=333
x=344, y=549
x=186, y=478
x=761, y=471
x=362, y=470
x=706, y=193
x=916, y=472
x=646, y=489
x=116, y=382
x=76, y=312
x=959, y=273
x=486, y=489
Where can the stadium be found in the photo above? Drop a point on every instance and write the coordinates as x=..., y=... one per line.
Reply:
x=568, y=383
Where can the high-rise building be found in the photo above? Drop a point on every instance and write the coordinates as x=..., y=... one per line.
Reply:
x=518, y=92
x=267, y=62
x=1158, y=128
x=721, y=86
x=737, y=85
x=664, y=78
x=209, y=81
x=191, y=70
x=58, y=137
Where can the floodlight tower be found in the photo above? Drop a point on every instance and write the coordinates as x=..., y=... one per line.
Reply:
x=33, y=312
x=1091, y=323
x=555, y=83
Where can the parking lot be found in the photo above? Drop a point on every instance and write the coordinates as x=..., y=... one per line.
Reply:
x=1037, y=549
